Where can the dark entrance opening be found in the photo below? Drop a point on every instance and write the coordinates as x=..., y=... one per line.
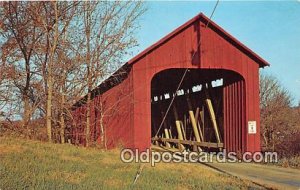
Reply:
x=194, y=119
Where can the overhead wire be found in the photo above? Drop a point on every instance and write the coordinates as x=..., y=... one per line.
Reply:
x=184, y=74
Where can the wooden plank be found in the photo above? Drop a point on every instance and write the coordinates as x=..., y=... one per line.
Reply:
x=178, y=127
x=202, y=122
x=170, y=132
x=183, y=130
x=187, y=142
x=167, y=137
x=197, y=113
x=193, y=121
x=166, y=130
x=199, y=123
x=212, y=114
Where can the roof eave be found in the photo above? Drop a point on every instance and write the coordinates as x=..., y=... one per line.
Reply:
x=262, y=63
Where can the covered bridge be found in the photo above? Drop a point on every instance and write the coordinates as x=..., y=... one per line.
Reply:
x=196, y=88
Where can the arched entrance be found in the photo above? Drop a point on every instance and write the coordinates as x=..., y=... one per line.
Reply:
x=204, y=115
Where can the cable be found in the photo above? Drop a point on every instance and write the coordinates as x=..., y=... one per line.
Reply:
x=184, y=74
x=211, y=15
x=169, y=107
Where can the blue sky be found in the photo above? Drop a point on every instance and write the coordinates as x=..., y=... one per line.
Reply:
x=269, y=28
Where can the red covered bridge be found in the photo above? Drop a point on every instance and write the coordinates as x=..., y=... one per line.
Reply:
x=196, y=88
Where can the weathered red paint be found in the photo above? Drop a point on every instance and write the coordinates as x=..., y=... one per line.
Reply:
x=127, y=105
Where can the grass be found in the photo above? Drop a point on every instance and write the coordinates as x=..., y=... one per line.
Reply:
x=292, y=162
x=27, y=164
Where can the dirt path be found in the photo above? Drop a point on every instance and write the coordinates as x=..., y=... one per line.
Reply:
x=270, y=176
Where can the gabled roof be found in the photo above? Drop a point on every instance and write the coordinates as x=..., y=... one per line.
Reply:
x=221, y=31
x=113, y=81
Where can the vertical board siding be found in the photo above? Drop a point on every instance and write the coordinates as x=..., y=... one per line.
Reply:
x=216, y=53
x=130, y=122
x=234, y=116
x=115, y=111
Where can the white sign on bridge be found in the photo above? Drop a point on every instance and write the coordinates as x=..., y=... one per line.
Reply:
x=251, y=127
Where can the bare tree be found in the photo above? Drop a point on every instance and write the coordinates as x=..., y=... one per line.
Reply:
x=54, y=19
x=5, y=90
x=108, y=36
x=19, y=35
x=278, y=118
x=57, y=52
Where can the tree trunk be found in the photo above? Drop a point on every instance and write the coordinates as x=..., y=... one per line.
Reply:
x=102, y=131
x=26, y=115
x=49, y=107
x=102, y=136
x=88, y=119
x=50, y=75
x=62, y=120
x=27, y=110
x=62, y=128
x=265, y=139
x=89, y=73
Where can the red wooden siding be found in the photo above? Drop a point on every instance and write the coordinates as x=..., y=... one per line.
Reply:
x=193, y=45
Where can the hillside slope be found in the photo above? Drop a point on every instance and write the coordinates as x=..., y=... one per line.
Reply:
x=35, y=165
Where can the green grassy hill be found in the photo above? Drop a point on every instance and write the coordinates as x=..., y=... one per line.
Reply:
x=26, y=164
